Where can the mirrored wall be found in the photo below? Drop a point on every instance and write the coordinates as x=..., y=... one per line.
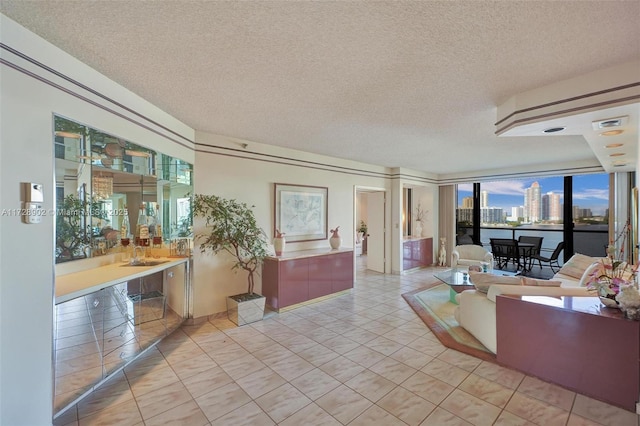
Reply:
x=106, y=186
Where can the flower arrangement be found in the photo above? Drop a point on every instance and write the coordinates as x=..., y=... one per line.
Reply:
x=420, y=214
x=610, y=274
x=629, y=300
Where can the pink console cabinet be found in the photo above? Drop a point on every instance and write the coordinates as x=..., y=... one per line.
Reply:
x=574, y=342
x=297, y=277
x=416, y=252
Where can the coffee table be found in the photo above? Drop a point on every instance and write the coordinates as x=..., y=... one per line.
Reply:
x=454, y=278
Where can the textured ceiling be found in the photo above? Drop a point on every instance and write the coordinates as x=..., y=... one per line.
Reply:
x=399, y=84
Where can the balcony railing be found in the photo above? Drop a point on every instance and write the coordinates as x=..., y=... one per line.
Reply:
x=591, y=240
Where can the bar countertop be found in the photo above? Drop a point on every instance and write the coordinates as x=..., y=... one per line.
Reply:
x=76, y=284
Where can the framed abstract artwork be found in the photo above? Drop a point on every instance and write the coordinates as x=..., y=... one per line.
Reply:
x=300, y=212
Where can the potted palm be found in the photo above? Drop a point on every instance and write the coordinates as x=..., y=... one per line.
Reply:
x=232, y=228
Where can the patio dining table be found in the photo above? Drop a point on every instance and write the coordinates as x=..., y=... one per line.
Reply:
x=510, y=250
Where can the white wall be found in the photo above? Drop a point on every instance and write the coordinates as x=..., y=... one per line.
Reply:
x=27, y=105
x=248, y=175
x=222, y=166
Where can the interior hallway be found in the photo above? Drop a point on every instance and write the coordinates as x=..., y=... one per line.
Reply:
x=362, y=358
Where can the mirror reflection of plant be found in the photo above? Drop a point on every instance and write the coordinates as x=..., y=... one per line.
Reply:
x=232, y=228
x=184, y=227
x=73, y=227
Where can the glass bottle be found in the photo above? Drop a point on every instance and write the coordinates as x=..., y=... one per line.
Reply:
x=151, y=221
x=142, y=229
x=157, y=227
x=125, y=228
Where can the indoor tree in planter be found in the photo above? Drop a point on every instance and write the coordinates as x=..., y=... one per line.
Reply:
x=231, y=227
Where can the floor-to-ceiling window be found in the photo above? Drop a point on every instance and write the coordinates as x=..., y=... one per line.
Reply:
x=549, y=207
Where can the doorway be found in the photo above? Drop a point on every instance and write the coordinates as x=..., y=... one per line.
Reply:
x=370, y=228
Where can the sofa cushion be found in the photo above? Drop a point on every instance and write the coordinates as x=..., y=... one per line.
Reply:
x=576, y=266
x=482, y=281
x=541, y=283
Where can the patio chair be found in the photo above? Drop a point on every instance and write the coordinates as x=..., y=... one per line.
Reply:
x=553, y=259
x=529, y=252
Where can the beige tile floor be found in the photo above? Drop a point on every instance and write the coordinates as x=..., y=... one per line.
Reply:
x=362, y=358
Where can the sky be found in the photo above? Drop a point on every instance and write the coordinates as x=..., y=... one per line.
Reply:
x=589, y=191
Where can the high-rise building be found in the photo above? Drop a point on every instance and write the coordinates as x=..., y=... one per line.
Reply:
x=484, y=199
x=465, y=215
x=492, y=215
x=532, y=203
x=555, y=207
x=545, y=203
x=517, y=212
x=467, y=203
x=580, y=213
x=551, y=207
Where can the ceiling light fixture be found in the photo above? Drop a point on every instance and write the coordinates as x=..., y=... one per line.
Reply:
x=613, y=145
x=611, y=132
x=554, y=129
x=609, y=122
x=102, y=186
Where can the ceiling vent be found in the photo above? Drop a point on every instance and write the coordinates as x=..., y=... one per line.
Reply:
x=609, y=123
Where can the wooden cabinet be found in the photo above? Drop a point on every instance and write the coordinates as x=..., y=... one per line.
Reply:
x=417, y=253
x=301, y=276
x=573, y=342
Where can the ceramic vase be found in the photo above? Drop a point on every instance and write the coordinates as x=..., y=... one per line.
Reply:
x=418, y=229
x=335, y=242
x=335, y=239
x=279, y=244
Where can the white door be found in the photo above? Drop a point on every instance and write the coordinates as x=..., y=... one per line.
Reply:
x=375, y=229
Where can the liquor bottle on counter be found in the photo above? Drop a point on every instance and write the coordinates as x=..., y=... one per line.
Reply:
x=157, y=228
x=125, y=239
x=142, y=229
x=125, y=228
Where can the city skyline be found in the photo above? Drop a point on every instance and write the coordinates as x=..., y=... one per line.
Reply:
x=589, y=191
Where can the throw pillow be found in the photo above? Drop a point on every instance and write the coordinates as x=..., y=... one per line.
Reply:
x=540, y=283
x=576, y=266
x=482, y=281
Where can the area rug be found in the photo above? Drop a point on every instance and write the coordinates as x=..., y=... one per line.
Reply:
x=433, y=306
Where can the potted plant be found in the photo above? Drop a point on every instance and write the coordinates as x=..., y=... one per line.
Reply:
x=232, y=228
x=420, y=218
